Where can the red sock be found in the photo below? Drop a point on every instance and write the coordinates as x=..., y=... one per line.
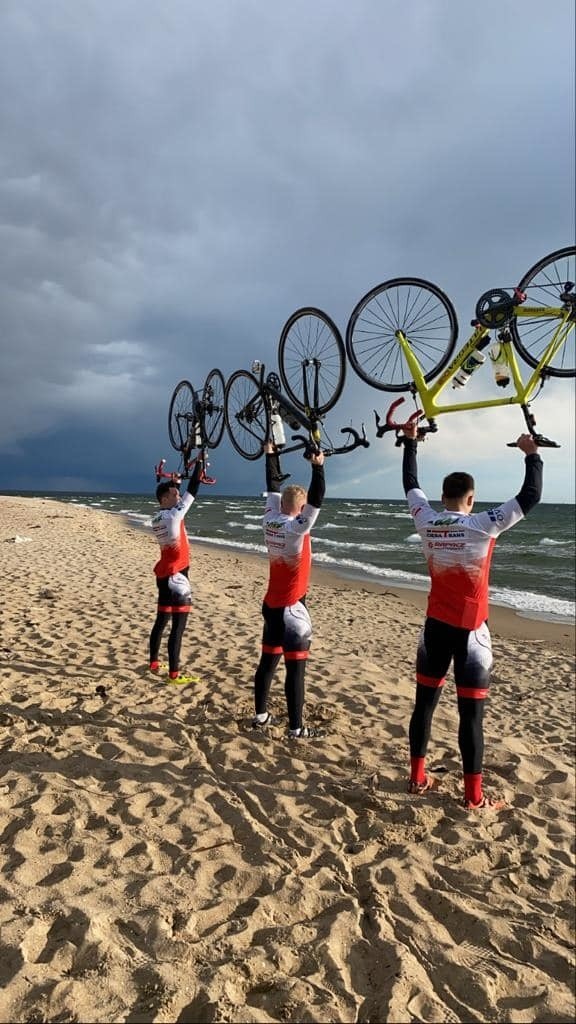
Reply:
x=174, y=675
x=473, y=788
x=154, y=666
x=417, y=773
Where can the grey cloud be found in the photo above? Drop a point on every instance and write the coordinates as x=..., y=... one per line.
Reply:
x=177, y=178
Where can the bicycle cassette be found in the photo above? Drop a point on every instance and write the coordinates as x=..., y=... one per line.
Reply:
x=494, y=309
x=273, y=381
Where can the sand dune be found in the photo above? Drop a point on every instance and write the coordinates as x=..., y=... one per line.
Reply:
x=160, y=862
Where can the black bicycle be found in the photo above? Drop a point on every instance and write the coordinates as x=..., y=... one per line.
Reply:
x=312, y=364
x=196, y=420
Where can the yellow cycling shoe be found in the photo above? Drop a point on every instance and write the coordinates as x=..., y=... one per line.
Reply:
x=182, y=680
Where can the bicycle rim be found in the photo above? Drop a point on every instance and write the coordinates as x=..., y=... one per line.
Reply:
x=246, y=415
x=181, y=416
x=425, y=316
x=213, y=408
x=312, y=360
x=543, y=286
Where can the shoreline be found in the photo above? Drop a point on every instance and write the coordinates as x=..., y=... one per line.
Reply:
x=503, y=622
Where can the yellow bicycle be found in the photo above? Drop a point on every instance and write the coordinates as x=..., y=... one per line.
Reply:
x=402, y=334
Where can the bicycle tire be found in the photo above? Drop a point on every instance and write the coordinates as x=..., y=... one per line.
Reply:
x=421, y=311
x=246, y=414
x=213, y=408
x=312, y=358
x=181, y=416
x=543, y=285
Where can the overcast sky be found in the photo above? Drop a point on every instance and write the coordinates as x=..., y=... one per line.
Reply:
x=177, y=177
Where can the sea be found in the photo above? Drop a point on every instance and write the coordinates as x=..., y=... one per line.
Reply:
x=533, y=566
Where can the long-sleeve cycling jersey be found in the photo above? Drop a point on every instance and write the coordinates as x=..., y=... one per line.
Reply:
x=288, y=540
x=170, y=532
x=458, y=546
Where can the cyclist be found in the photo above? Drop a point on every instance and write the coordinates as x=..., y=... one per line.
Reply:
x=174, y=592
x=288, y=520
x=458, y=547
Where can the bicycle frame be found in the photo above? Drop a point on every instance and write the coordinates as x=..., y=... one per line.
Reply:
x=524, y=391
x=309, y=420
x=428, y=393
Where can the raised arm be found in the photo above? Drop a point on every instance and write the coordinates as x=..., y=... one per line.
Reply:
x=274, y=474
x=317, y=488
x=409, y=462
x=531, y=491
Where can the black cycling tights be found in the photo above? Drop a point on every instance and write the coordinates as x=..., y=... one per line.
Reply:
x=293, y=687
x=174, y=638
x=470, y=732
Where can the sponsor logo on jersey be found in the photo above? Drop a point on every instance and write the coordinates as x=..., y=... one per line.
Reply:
x=452, y=534
x=496, y=515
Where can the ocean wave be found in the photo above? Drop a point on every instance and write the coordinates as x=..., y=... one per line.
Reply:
x=538, y=604
x=231, y=543
x=372, y=570
x=550, y=542
x=356, y=546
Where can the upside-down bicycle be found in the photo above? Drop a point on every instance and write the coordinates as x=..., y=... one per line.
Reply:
x=195, y=422
x=401, y=336
x=312, y=364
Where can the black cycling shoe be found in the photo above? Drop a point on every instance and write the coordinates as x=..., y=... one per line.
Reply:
x=270, y=720
x=305, y=733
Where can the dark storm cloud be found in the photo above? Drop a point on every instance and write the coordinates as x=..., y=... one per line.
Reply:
x=177, y=178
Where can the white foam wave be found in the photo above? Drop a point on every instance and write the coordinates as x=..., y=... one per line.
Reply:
x=350, y=545
x=524, y=601
x=550, y=542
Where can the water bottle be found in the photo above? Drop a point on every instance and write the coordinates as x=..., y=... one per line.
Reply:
x=474, y=360
x=499, y=362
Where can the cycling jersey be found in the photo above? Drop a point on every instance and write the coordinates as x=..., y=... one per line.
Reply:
x=169, y=530
x=458, y=546
x=288, y=542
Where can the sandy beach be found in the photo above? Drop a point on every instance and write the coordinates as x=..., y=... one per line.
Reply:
x=161, y=862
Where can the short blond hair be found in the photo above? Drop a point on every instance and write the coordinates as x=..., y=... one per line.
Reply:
x=293, y=497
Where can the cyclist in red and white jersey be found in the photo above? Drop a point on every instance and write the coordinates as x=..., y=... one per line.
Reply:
x=288, y=518
x=171, y=571
x=458, y=546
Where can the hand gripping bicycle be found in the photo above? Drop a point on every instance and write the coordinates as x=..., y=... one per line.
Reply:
x=196, y=421
x=402, y=334
x=312, y=365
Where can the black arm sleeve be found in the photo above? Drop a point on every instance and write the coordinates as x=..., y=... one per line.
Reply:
x=317, y=488
x=531, y=490
x=274, y=475
x=409, y=465
x=194, y=481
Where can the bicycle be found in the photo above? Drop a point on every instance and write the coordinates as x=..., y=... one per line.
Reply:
x=401, y=336
x=312, y=364
x=195, y=422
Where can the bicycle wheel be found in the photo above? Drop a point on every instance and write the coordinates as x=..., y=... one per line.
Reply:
x=543, y=286
x=425, y=316
x=246, y=414
x=312, y=360
x=181, y=416
x=213, y=408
